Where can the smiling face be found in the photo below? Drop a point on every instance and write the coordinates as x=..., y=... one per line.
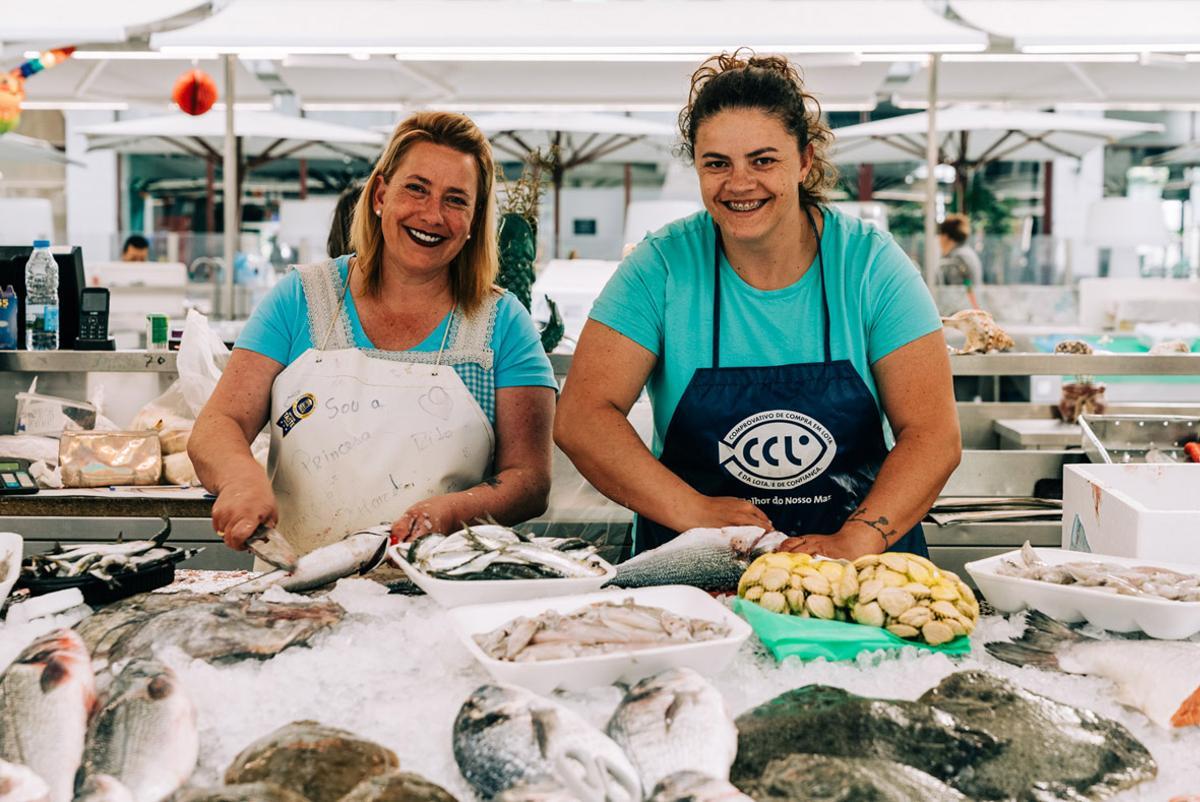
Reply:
x=427, y=206
x=750, y=168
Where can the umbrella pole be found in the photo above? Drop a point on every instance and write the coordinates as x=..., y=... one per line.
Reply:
x=229, y=178
x=558, y=182
x=931, y=159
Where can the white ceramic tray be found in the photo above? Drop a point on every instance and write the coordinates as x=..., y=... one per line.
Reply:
x=1168, y=620
x=581, y=673
x=457, y=592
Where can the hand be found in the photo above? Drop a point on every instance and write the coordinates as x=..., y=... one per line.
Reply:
x=241, y=507
x=433, y=515
x=840, y=545
x=718, y=511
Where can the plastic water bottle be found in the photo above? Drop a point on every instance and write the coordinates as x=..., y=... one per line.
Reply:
x=41, y=299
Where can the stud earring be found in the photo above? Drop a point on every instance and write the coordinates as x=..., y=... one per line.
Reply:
x=379, y=212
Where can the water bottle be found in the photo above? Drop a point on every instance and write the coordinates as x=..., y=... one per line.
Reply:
x=41, y=299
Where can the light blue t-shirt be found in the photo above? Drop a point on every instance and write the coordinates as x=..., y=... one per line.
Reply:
x=661, y=297
x=279, y=329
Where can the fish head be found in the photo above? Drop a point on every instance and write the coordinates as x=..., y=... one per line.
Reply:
x=595, y=778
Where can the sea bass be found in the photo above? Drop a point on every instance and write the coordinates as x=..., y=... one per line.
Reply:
x=144, y=733
x=709, y=559
x=357, y=554
x=46, y=696
x=672, y=722
x=19, y=784
x=1159, y=678
x=695, y=786
x=506, y=736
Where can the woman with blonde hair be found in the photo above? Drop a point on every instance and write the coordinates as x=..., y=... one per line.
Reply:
x=399, y=384
x=775, y=337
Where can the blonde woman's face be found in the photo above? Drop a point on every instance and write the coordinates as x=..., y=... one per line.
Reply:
x=426, y=208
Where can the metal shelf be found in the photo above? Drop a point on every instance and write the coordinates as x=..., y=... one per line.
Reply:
x=88, y=361
x=1075, y=364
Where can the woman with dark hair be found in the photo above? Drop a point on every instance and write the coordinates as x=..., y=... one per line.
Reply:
x=960, y=264
x=777, y=338
x=399, y=383
x=343, y=216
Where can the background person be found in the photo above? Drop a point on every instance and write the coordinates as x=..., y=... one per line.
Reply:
x=959, y=263
x=343, y=217
x=772, y=333
x=399, y=383
x=135, y=249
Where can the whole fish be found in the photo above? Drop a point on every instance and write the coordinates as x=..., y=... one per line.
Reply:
x=240, y=792
x=1159, y=678
x=695, y=786
x=46, y=696
x=506, y=736
x=710, y=559
x=672, y=722
x=357, y=554
x=144, y=733
x=497, y=552
x=398, y=786
x=19, y=784
x=103, y=788
x=821, y=778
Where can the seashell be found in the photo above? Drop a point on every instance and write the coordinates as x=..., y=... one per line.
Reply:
x=890, y=578
x=778, y=559
x=866, y=560
x=896, y=601
x=956, y=627
x=774, y=578
x=944, y=609
x=805, y=570
x=817, y=584
x=754, y=593
x=868, y=591
x=845, y=588
x=969, y=609
x=915, y=616
x=918, y=590
x=773, y=601
x=865, y=574
x=944, y=591
x=937, y=632
x=754, y=573
x=903, y=630
x=918, y=572
x=895, y=561
x=870, y=614
x=831, y=569
x=796, y=581
x=820, y=606
x=795, y=599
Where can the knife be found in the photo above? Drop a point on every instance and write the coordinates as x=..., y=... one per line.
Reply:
x=272, y=547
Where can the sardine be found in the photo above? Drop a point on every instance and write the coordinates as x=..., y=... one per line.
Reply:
x=506, y=736
x=1158, y=678
x=103, y=788
x=695, y=786
x=357, y=554
x=710, y=559
x=19, y=784
x=496, y=552
x=46, y=696
x=675, y=721
x=144, y=733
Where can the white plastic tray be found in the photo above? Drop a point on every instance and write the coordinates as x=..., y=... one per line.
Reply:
x=581, y=673
x=1167, y=620
x=457, y=592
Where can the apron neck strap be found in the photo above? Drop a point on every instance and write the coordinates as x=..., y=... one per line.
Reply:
x=716, y=343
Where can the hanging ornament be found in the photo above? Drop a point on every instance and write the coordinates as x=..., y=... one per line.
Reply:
x=195, y=92
x=12, y=84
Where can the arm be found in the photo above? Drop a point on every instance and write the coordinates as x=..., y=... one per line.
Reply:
x=220, y=447
x=608, y=372
x=917, y=393
x=520, y=487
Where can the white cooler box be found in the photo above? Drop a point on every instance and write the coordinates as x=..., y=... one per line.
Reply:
x=1150, y=511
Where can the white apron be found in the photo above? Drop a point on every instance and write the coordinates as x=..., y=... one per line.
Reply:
x=359, y=435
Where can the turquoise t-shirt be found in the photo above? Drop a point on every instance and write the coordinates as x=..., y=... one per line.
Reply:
x=661, y=297
x=278, y=329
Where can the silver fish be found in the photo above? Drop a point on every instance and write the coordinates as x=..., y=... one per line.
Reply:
x=270, y=546
x=672, y=722
x=19, y=784
x=45, y=698
x=497, y=552
x=357, y=554
x=710, y=559
x=144, y=733
x=103, y=788
x=695, y=786
x=506, y=736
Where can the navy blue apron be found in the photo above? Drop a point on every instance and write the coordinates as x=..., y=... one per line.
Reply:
x=802, y=442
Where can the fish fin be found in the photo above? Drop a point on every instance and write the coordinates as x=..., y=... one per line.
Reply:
x=1019, y=654
x=1188, y=714
x=1036, y=647
x=544, y=720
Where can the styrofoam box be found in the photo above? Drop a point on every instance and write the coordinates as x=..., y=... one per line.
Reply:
x=581, y=673
x=458, y=592
x=1158, y=618
x=1137, y=510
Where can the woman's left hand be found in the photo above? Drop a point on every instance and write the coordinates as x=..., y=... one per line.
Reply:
x=840, y=545
x=433, y=515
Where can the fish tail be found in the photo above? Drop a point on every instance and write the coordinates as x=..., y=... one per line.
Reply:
x=1037, y=646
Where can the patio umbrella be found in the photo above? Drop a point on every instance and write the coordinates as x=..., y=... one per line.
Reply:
x=1185, y=155
x=26, y=149
x=579, y=138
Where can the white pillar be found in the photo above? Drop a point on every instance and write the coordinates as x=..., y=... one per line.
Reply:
x=92, y=193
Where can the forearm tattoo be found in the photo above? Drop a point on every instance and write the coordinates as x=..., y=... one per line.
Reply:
x=881, y=525
x=492, y=481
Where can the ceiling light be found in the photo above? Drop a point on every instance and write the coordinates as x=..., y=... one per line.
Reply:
x=1144, y=47
x=73, y=105
x=1074, y=58
x=140, y=55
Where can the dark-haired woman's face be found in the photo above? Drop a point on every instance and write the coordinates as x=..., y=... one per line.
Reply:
x=750, y=167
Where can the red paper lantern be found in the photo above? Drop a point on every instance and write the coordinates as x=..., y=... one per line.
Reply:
x=195, y=92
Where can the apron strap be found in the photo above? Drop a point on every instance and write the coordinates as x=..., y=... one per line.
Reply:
x=716, y=343
x=328, y=324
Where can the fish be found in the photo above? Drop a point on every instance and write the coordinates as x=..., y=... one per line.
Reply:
x=270, y=546
x=398, y=786
x=46, y=696
x=19, y=784
x=695, y=786
x=1142, y=581
x=202, y=626
x=241, y=792
x=144, y=732
x=674, y=721
x=318, y=762
x=497, y=552
x=1159, y=678
x=105, y=561
x=536, y=792
x=598, y=628
x=356, y=554
x=822, y=778
x=979, y=734
x=505, y=736
x=103, y=788
x=709, y=559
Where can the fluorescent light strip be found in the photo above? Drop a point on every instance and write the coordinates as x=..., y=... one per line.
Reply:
x=140, y=55
x=1073, y=58
x=73, y=105
x=1144, y=47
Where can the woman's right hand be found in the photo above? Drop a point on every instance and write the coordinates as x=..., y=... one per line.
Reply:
x=241, y=507
x=719, y=511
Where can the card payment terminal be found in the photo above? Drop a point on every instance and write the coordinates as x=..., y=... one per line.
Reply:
x=14, y=477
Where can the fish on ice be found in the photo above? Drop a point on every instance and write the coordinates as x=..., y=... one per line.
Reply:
x=709, y=559
x=358, y=553
x=19, y=784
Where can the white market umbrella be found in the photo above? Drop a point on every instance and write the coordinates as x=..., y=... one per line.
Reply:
x=15, y=148
x=580, y=138
x=1185, y=155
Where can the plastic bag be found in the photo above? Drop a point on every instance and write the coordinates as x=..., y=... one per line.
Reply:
x=811, y=638
x=101, y=459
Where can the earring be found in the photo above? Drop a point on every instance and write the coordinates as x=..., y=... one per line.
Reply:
x=379, y=212
x=468, y=236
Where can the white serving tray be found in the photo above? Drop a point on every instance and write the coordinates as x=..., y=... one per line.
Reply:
x=581, y=673
x=1167, y=620
x=458, y=592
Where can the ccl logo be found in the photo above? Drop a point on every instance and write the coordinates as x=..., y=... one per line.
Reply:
x=777, y=450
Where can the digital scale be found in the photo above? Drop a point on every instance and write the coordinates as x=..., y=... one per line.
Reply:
x=14, y=477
